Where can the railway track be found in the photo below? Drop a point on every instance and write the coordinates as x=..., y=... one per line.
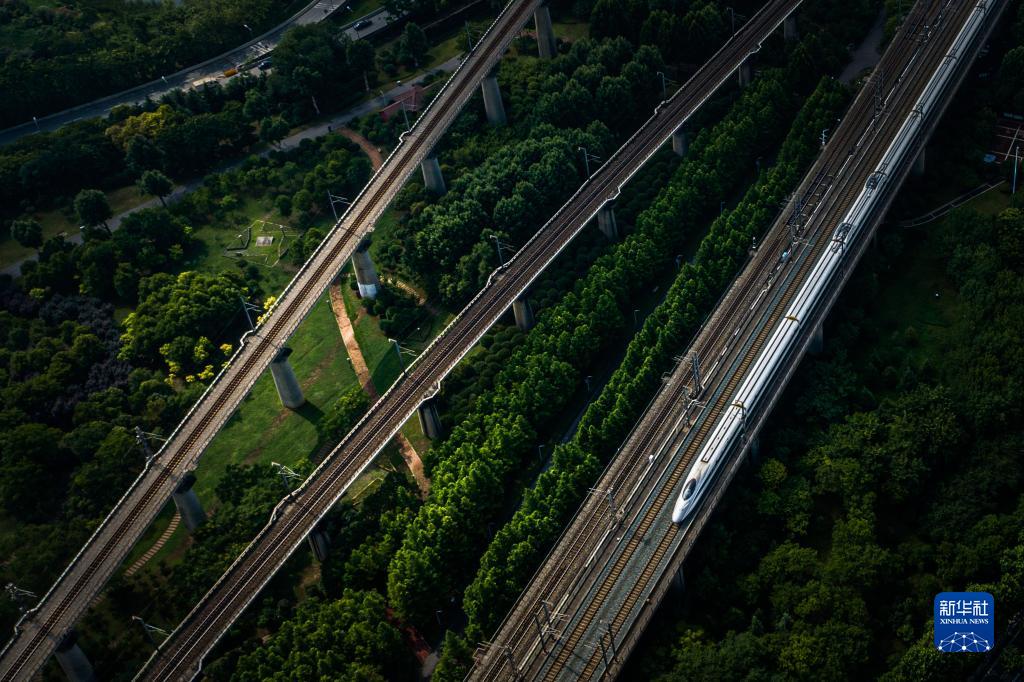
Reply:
x=38, y=633
x=561, y=570
x=180, y=656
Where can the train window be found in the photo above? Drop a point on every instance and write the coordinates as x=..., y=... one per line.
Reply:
x=688, y=490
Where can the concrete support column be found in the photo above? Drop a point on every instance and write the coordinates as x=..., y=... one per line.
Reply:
x=366, y=274
x=746, y=72
x=189, y=506
x=789, y=31
x=524, y=315
x=918, y=168
x=430, y=420
x=493, y=105
x=606, y=221
x=817, y=340
x=432, y=177
x=288, y=389
x=320, y=543
x=546, y=45
x=72, y=660
x=680, y=142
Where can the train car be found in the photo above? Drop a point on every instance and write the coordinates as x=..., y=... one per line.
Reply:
x=782, y=341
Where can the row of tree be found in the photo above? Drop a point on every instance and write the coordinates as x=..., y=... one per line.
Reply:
x=513, y=554
x=471, y=468
x=505, y=193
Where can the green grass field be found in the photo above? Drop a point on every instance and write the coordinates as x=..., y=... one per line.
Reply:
x=262, y=430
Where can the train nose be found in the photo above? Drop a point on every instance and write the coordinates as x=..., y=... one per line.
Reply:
x=679, y=511
x=684, y=501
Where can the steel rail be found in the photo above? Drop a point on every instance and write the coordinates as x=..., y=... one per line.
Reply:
x=559, y=567
x=41, y=629
x=502, y=659
x=294, y=517
x=854, y=186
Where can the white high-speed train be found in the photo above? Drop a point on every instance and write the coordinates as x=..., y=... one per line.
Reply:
x=780, y=344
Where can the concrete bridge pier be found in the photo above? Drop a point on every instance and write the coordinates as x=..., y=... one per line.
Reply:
x=288, y=389
x=789, y=31
x=319, y=542
x=72, y=659
x=681, y=141
x=430, y=420
x=432, y=177
x=546, y=45
x=606, y=221
x=817, y=340
x=523, y=313
x=493, y=105
x=366, y=274
x=189, y=506
x=918, y=168
x=746, y=72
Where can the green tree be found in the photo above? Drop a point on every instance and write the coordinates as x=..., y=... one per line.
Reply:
x=350, y=638
x=273, y=129
x=344, y=413
x=156, y=183
x=143, y=154
x=93, y=209
x=257, y=106
x=360, y=55
x=413, y=45
x=27, y=232
x=174, y=312
x=30, y=471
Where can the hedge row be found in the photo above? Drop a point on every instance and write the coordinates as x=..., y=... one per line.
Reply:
x=471, y=468
x=519, y=546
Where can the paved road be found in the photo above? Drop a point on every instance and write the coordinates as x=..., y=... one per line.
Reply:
x=312, y=132
x=316, y=11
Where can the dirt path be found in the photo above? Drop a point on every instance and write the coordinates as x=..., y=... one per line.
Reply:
x=160, y=542
x=348, y=335
x=376, y=158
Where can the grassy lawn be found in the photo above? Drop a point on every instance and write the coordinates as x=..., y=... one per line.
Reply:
x=439, y=54
x=570, y=30
x=264, y=431
x=378, y=352
x=212, y=254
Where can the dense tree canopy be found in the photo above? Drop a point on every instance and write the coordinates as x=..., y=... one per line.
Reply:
x=177, y=316
x=348, y=638
x=52, y=58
